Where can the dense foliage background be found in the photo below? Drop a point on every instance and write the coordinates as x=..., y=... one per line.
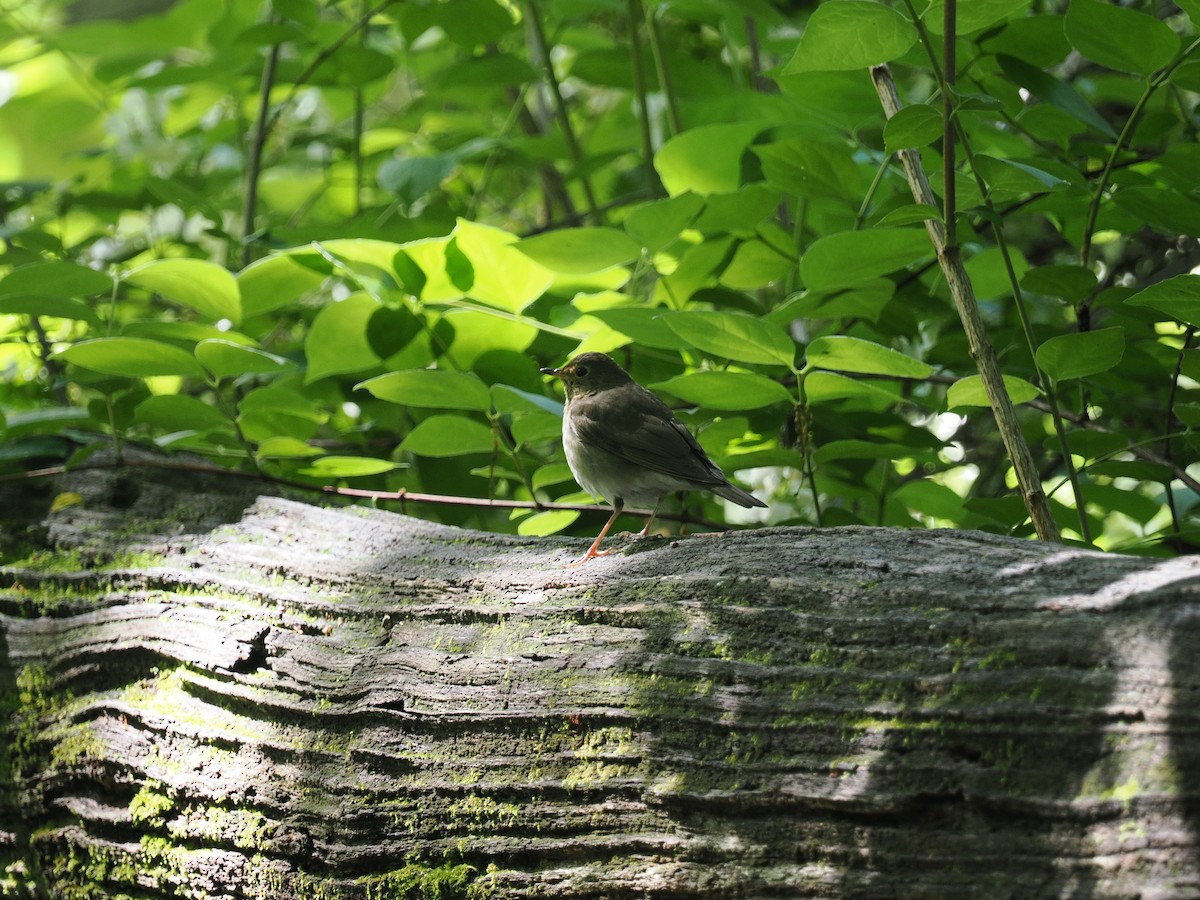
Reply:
x=332, y=242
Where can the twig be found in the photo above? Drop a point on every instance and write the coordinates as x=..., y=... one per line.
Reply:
x=980, y=346
x=402, y=496
x=262, y=125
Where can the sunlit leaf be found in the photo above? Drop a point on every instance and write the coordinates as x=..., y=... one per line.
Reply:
x=205, y=287
x=706, y=159
x=346, y=467
x=131, y=357
x=850, y=354
x=226, y=359
x=437, y=388
x=446, y=435
x=969, y=391
x=578, y=251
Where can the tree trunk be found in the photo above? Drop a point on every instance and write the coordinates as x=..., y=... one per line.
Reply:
x=212, y=694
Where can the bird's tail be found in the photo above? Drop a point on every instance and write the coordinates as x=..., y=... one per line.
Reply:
x=737, y=495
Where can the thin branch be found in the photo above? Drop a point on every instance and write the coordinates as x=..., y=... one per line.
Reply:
x=642, y=89
x=538, y=33
x=401, y=496
x=980, y=346
x=262, y=125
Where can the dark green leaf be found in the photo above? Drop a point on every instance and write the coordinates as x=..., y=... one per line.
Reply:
x=808, y=168
x=410, y=178
x=1071, y=283
x=176, y=412
x=1120, y=38
x=733, y=336
x=912, y=126
x=726, y=390
x=1070, y=356
x=1050, y=89
x=1177, y=297
x=973, y=15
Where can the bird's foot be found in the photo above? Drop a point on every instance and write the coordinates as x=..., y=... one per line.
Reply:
x=591, y=554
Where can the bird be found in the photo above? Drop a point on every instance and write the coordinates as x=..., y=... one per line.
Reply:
x=625, y=445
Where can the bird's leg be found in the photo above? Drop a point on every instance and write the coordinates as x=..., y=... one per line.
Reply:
x=650, y=521
x=593, y=551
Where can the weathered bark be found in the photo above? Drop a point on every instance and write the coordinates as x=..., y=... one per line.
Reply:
x=350, y=703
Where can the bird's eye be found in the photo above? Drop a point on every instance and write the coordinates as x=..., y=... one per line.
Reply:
x=581, y=371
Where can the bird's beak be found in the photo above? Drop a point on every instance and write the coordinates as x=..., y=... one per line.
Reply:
x=557, y=373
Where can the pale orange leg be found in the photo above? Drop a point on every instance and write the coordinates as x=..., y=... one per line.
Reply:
x=593, y=551
x=650, y=521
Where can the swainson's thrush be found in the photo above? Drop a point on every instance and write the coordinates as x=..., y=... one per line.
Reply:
x=625, y=445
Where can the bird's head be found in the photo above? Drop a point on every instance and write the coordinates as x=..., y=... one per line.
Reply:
x=589, y=373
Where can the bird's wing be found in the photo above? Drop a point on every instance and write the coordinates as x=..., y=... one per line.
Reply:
x=646, y=434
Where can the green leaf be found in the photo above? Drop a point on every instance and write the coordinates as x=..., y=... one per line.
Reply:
x=969, y=391
x=347, y=467
x=503, y=277
x=865, y=300
x=278, y=411
x=850, y=354
x=726, y=390
x=1052, y=90
x=1070, y=356
x=42, y=305
x=811, y=168
x=1071, y=283
x=656, y=224
x=131, y=358
x=645, y=325
x=436, y=388
x=580, y=251
x=226, y=359
x=1120, y=38
x=410, y=178
x=56, y=279
x=285, y=447
x=445, y=435
x=733, y=336
x=910, y=214
x=852, y=257
x=1015, y=177
x=821, y=387
x=929, y=498
x=851, y=34
x=203, y=286
x=912, y=126
x=1177, y=297
x=973, y=15
x=337, y=342
x=275, y=281
x=706, y=159
x=549, y=521
x=178, y=412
